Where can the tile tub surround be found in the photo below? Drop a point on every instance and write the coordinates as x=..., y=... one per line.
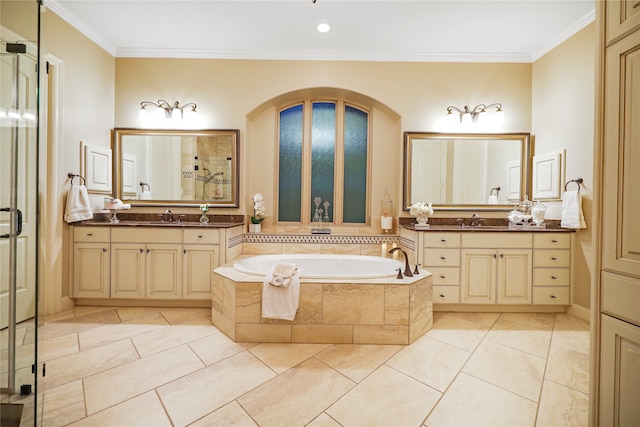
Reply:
x=370, y=311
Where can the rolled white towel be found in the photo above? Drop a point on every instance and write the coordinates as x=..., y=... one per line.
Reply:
x=284, y=269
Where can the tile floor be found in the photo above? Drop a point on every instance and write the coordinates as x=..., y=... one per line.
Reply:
x=170, y=367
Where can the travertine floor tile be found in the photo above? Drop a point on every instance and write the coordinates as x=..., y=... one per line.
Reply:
x=177, y=316
x=544, y=321
x=109, y=333
x=323, y=420
x=58, y=347
x=217, y=347
x=484, y=319
x=144, y=411
x=124, y=382
x=562, y=406
x=458, y=332
x=52, y=329
x=128, y=313
x=385, y=398
x=80, y=365
x=357, y=361
x=63, y=405
x=528, y=332
x=569, y=368
x=230, y=414
x=174, y=336
x=281, y=357
x=475, y=403
x=193, y=396
x=572, y=333
x=522, y=375
x=430, y=361
x=296, y=396
x=85, y=310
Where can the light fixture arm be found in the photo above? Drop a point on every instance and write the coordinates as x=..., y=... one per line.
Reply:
x=475, y=112
x=168, y=108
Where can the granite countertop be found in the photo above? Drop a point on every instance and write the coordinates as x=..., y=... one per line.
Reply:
x=153, y=220
x=488, y=224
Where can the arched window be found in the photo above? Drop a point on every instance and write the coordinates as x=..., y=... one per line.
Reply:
x=323, y=154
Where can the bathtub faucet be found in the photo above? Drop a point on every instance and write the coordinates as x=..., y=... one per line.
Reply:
x=407, y=269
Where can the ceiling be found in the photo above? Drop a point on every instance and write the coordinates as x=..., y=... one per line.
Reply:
x=371, y=30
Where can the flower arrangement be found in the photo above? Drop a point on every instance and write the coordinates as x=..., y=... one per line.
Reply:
x=421, y=209
x=258, y=209
x=204, y=208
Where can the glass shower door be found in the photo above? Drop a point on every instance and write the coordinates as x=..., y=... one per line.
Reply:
x=18, y=210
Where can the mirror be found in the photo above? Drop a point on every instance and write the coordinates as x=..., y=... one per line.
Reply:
x=466, y=171
x=176, y=167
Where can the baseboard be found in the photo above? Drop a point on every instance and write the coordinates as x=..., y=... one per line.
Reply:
x=580, y=312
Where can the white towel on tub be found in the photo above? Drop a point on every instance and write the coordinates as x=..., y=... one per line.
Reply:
x=280, y=301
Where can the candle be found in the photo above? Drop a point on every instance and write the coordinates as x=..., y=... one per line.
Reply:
x=383, y=252
x=386, y=222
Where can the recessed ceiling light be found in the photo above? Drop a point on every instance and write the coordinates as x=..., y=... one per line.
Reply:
x=323, y=28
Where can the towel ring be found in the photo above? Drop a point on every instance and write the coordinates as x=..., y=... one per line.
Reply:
x=144, y=184
x=73, y=175
x=496, y=189
x=577, y=181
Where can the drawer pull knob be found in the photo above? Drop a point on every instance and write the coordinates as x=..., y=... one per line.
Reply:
x=442, y=296
x=443, y=257
x=443, y=240
x=554, y=277
x=199, y=236
x=443, y=277
x=554, y=241
x=104, y=250
x=89, y=234
x=553, y=296
x=554, y=258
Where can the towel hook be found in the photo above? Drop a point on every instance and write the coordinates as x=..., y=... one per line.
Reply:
x=496, y=189
x=577, y=181
x=73, y=175
x=144, y=184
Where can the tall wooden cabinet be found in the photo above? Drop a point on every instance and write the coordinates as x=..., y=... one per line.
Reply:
x=618, y=149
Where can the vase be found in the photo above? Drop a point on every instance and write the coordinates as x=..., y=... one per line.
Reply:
x=204, y=218
x=255, y=228
x=422, y=219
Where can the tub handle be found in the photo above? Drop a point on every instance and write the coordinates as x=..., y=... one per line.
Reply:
x=399, y=276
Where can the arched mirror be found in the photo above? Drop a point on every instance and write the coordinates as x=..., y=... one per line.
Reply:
x=466, y=171
x=176, y=167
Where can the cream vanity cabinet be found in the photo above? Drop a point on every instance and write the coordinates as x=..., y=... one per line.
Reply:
x=617, y=348
x=91, y=262
x=152, y=263
x=442, y=259
x=551, y=268
x=145, y=264
x=496, y=268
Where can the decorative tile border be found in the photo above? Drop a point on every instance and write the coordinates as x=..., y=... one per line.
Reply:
x=326, y=239
x=235, y=241
x=408, y=243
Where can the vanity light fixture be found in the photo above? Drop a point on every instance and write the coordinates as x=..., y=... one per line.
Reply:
x=323, y=27
x=175, y=111
x=476, y=114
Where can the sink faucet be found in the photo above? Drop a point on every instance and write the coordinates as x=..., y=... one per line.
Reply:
x=476, y=220
x=167, y=216
x=407, y=269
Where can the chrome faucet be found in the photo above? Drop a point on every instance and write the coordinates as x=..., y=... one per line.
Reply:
x=167, y=216
x=407, y=269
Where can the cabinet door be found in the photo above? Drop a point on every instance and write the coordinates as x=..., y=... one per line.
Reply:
x=91, y=270
x=514, y=276
x=197, y=272
x=163, y=271
x=620, y=373
x=127, y=270
x=621, y=201
x=478, y=276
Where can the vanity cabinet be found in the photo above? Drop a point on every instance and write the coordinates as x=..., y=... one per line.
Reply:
x=152, y=263
x=551, y=269
x=501, y=275
x=91, y=267
x=442, y=259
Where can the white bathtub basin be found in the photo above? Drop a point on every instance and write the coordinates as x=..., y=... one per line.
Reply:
x=324, y=266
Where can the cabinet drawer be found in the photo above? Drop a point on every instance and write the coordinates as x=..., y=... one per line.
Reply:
x=551, y=277
x=446, y=294
x=496, y=240
x=551, y=258
x=146, y=235
x=444, y=275
x=551, y=240
x=442, y=240
x=621, y=296
x=90, y=234
x=441, y=257
x=551, y=295
x=210, y=237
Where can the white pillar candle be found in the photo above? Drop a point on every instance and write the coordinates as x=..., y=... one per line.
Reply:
x=383, y=251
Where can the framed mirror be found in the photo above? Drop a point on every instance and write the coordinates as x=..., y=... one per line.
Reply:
x=490, y=172
x=155, y=167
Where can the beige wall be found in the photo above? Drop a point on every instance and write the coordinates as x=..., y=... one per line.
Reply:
x=563, y=118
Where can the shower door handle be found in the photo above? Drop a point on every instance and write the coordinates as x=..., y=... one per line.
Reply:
x=18, y=220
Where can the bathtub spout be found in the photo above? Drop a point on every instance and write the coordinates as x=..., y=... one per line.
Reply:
x=407, y=269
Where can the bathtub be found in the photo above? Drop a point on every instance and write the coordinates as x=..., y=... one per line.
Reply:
x=324, y=266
